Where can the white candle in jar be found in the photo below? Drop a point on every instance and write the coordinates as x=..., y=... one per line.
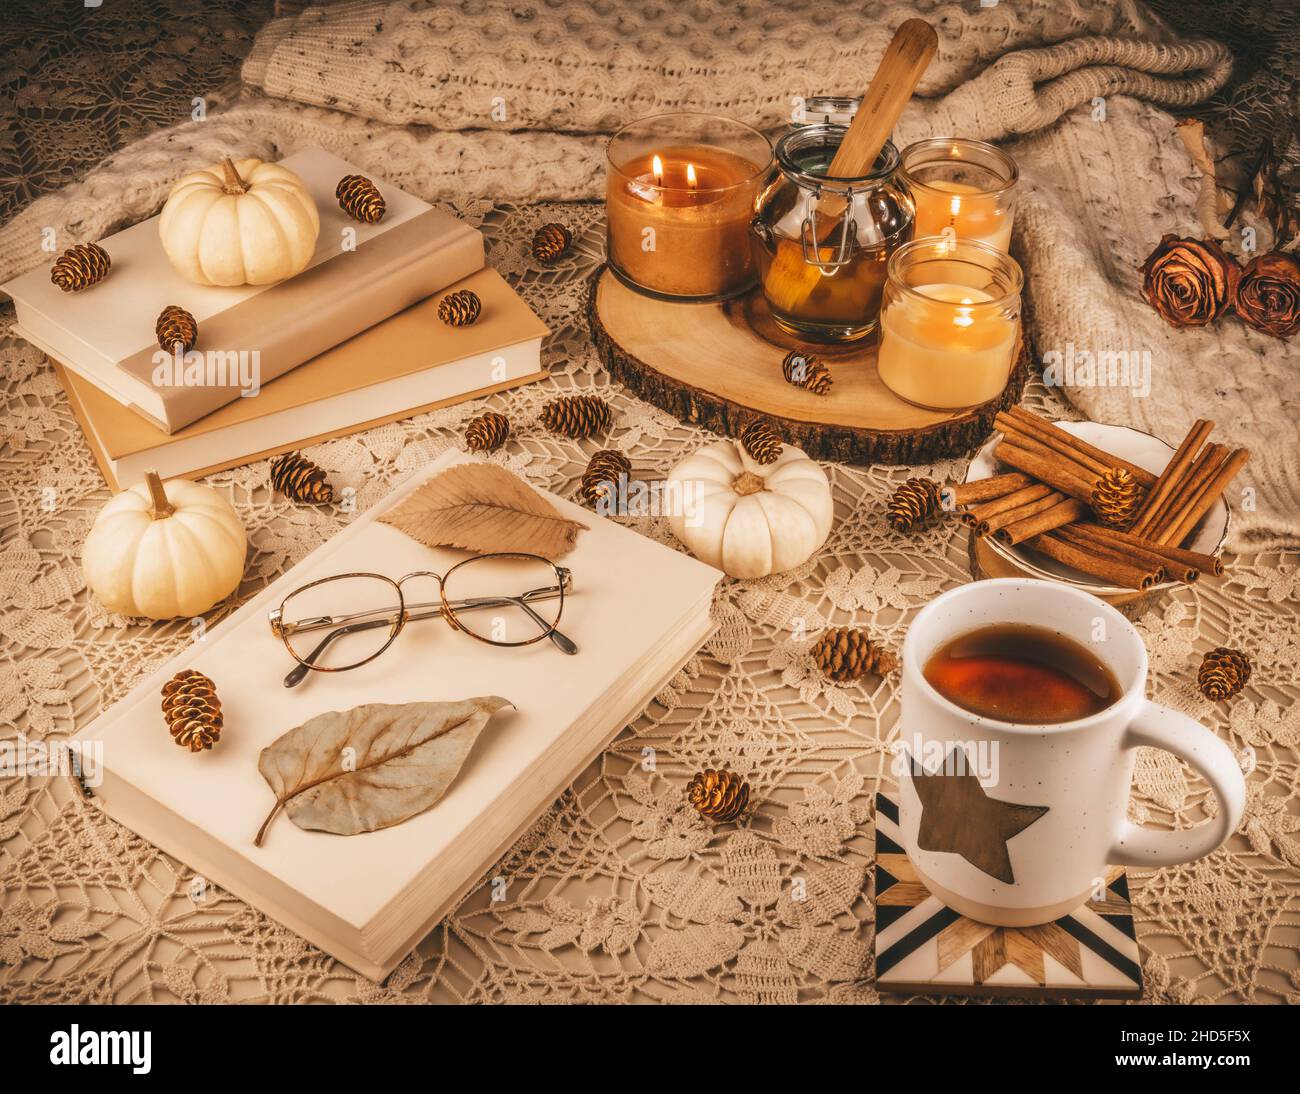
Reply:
x=943, y=346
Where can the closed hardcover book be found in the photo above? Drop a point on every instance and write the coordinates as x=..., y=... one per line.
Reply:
x=407, y=364
x=637, y=611
x=248, y=335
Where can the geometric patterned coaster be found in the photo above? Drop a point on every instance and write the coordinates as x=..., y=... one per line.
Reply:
x=924, y=947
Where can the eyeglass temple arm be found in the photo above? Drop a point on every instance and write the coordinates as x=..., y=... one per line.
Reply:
x=562, y=641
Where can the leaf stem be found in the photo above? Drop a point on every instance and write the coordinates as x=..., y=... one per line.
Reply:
x=261, y=832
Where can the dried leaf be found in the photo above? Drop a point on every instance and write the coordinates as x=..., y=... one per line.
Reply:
x=376, y=765
x=1274, y=201
x=1191, y=131
x=483, y=507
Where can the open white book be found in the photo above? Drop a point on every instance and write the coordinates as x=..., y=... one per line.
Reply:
x=637, y=612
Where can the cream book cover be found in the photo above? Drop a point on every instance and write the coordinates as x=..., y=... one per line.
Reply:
x=359, y=274
x=637, y=611
x=407, y=364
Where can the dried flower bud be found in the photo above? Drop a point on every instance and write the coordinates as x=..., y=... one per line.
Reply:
x=1268, y=295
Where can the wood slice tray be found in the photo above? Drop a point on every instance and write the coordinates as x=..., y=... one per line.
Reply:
x=719, y=366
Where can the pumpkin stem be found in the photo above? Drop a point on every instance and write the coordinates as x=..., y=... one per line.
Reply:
x=159, y=506
x=234, y=183
x=747, y=483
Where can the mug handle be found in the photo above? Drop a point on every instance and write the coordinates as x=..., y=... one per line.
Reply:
x=1160, y=727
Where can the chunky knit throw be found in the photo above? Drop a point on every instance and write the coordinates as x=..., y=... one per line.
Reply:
x=514, y=100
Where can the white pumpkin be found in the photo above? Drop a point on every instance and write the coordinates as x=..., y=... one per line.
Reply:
x=164, y=552
x=751, y=519
x=244, y=223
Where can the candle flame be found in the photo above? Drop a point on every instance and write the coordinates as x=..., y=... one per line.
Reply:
x=657, y=168
x=690, y=175
x=963, y=316
x=954, y=206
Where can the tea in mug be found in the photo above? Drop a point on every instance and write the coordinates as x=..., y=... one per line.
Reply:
x=1018, y=673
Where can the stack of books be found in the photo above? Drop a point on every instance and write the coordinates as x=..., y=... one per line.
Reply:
x=352, y=341
x=638, y=611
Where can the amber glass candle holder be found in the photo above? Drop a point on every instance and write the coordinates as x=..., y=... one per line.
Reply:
x=680, y=192
x=949, y=322
x=961, y=188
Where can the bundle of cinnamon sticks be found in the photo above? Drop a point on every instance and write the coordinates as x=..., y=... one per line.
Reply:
x=1049, y=501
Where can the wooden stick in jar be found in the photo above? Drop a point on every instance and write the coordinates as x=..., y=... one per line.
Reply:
x=978, y=516
x=1169, y=477
x=995, y=486
x=1063, y=511
x=1049, y=433
x=1186, y=517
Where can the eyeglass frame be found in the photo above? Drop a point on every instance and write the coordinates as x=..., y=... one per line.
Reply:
x=445, y=610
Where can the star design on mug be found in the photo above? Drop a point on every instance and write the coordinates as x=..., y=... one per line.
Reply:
x=958, y=817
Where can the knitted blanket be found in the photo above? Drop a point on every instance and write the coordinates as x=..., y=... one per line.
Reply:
x=514, y=101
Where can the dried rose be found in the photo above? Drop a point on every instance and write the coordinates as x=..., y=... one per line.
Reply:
x=1189, y=282
x=1268, y=295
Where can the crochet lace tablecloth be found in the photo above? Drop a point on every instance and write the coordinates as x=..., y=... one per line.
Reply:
x=619, y=892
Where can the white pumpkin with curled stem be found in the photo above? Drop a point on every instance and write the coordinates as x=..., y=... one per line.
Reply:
x=242, y=222
x=751, y=519
x=164, y=552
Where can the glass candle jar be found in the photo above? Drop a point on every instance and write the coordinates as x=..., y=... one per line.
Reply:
x=962, y=188
x=844, y=229
x=679, y=196
x=949, y=322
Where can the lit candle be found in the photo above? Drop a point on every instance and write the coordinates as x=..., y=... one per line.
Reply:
x=947, y=344
x=677, y=215
x=962, y=188
x=961, y=209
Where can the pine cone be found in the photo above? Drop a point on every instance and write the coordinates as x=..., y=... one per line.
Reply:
x=174, y=325
x=1223, y=673
x=298, y=479
x=1116, y=497
x=577, y=416
x=761, y=441
x=459, y=308
x=360, y=199
x=720, y=795
x=913, y=505
x=487, y=432
x=603, y=476
x=846, y=654
x=808, y=372
x=192, y=710
x=80, y=267
x=550, y=242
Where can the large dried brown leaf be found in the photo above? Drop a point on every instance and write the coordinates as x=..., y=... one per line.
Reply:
x=483, y=507
x=358, y=770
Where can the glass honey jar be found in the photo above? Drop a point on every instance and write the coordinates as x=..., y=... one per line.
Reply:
x=845, y=228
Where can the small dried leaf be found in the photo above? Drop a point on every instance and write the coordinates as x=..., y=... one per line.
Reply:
x=1191, y=131
x=483, y=507
x=376, y=765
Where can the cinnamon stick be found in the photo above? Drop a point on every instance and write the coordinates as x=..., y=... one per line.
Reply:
x=1048, y=432
x=1195, y=477
x=1014, y=432
x=1141, y=557
x=1057, y=471
x=1176, y=559
x=1107, y=569
x=978, y=516
x=1169, y=477
x=1187, y=517
x=1025, y=512
x=1061, y=512
x=996, y=486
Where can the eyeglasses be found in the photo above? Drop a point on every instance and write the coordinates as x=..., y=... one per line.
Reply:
x=505, y=599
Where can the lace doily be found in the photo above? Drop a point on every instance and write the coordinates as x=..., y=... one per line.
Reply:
x=619, y=892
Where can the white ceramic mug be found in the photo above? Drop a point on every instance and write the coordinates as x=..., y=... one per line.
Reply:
x=1025, y=834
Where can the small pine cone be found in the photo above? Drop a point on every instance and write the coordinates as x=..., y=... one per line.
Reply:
x=459, y=308
x=808, y=372
x=360, y=199
x=604, y=476
x=720, y=795
x=80, y=267
x=298, y=479
x=846, y=654
x=550, y=242
x=1223, y=673
x=1116, y=497
x=761, y=441
x=913, y=505
x=174, y=325
x=192, y=710
x=577, y=416
x=487, y=432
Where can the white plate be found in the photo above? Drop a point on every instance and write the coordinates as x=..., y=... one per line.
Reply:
x=1140, y=448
